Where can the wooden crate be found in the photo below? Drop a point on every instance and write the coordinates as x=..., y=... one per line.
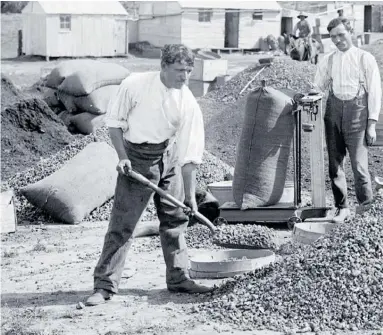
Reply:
x=200, y=88
x=7, y=212
x=208, y=69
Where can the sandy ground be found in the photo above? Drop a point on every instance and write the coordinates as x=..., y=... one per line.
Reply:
x=47, y=271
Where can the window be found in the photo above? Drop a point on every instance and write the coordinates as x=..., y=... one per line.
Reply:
x=204, y=15
x=257, y=16
x=65, y=22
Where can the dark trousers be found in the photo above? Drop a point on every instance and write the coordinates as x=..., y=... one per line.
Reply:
x=158, y=163
x=345, y=125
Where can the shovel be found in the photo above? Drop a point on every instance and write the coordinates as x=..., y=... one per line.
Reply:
x=202, y=219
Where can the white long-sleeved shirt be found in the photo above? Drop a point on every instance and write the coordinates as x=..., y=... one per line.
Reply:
x=346, y=75
x=149, y=112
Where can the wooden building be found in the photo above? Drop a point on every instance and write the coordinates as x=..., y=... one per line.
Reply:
x=208, y=24
x=75, y=29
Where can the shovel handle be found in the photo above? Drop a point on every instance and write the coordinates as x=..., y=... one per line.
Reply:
x=202, y=219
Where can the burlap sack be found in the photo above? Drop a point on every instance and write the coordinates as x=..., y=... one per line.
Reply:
x=66, y=68
x=97, y=101
x=264, y=148
x=84, y=183
x=84, y=82
x=87, y=123
x=272, y=42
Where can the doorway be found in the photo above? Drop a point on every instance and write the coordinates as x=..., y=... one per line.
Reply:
x=287, y=25
x=367, y=18
x=231, y=29
x=120, y=37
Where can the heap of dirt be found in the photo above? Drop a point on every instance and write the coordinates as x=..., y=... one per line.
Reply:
x=29, y=130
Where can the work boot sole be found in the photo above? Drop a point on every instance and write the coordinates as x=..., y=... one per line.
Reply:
x=97, y=302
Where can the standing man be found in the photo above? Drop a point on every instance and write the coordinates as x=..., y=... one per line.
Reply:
x=352, y=78
x=305, y=30
x=156, y=127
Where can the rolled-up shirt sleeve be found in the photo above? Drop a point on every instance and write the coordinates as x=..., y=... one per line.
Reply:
x=374, y=87
x=191, y=135
x=119, y=107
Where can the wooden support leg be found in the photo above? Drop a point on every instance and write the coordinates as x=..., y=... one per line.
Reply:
x=318, y=190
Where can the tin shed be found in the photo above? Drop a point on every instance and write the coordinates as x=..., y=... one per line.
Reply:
x=208, y=24
x=75, y=29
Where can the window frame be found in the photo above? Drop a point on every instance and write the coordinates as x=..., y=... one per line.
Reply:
x=257, y=15
x=205, y=14
x=65, y=22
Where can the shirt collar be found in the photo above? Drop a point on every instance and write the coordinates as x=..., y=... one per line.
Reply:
x=351, y=50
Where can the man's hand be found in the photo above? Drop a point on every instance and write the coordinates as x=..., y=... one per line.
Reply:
x=370, y=135
x=192, y=206
x=124, y=166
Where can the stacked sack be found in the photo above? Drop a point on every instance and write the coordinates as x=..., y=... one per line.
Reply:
x=85, y=88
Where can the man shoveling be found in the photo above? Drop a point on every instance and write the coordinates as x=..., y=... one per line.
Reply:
x=156, y=127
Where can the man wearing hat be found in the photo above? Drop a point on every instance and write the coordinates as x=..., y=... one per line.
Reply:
x=305, y=30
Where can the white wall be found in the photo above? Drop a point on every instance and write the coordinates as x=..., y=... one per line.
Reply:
x=160, y=23
x=250, y=31
x=34, y=34
x=203, y=34
x=91, y=35
x=133, y=31
x=160, y=31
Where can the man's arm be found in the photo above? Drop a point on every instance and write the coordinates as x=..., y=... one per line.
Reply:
x=190, y=145
x=124, y=165
x=117, y=121
x=374, y=88
x=295, y=29
x=189, y=172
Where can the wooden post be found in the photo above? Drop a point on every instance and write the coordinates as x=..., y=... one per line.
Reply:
x=20, y=43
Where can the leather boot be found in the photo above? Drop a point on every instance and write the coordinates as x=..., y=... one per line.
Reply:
x=341, y=215
x=98, y=297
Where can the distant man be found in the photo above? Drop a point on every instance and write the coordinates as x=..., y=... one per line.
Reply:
x=351, y=76
x=305, y=30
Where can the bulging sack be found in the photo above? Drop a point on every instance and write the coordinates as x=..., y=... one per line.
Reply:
x=264, y=148
x=96, y=102
x=84, y=82
x=66, y=68
x=83, y=184
x=87, y=123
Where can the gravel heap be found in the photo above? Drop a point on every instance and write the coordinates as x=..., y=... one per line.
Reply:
x=282, y=73
x=259, y=237
x=336, y=283
x=211, y=170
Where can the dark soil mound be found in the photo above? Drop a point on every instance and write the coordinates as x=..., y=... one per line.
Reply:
x=29, y=130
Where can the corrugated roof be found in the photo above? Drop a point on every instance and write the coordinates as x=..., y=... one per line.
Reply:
x=83, y=7
x=264, y=5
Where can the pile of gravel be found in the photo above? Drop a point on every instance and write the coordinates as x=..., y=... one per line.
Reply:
x=282, y=73
x=336, y=283
x=212, y=170
x=255, y=236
